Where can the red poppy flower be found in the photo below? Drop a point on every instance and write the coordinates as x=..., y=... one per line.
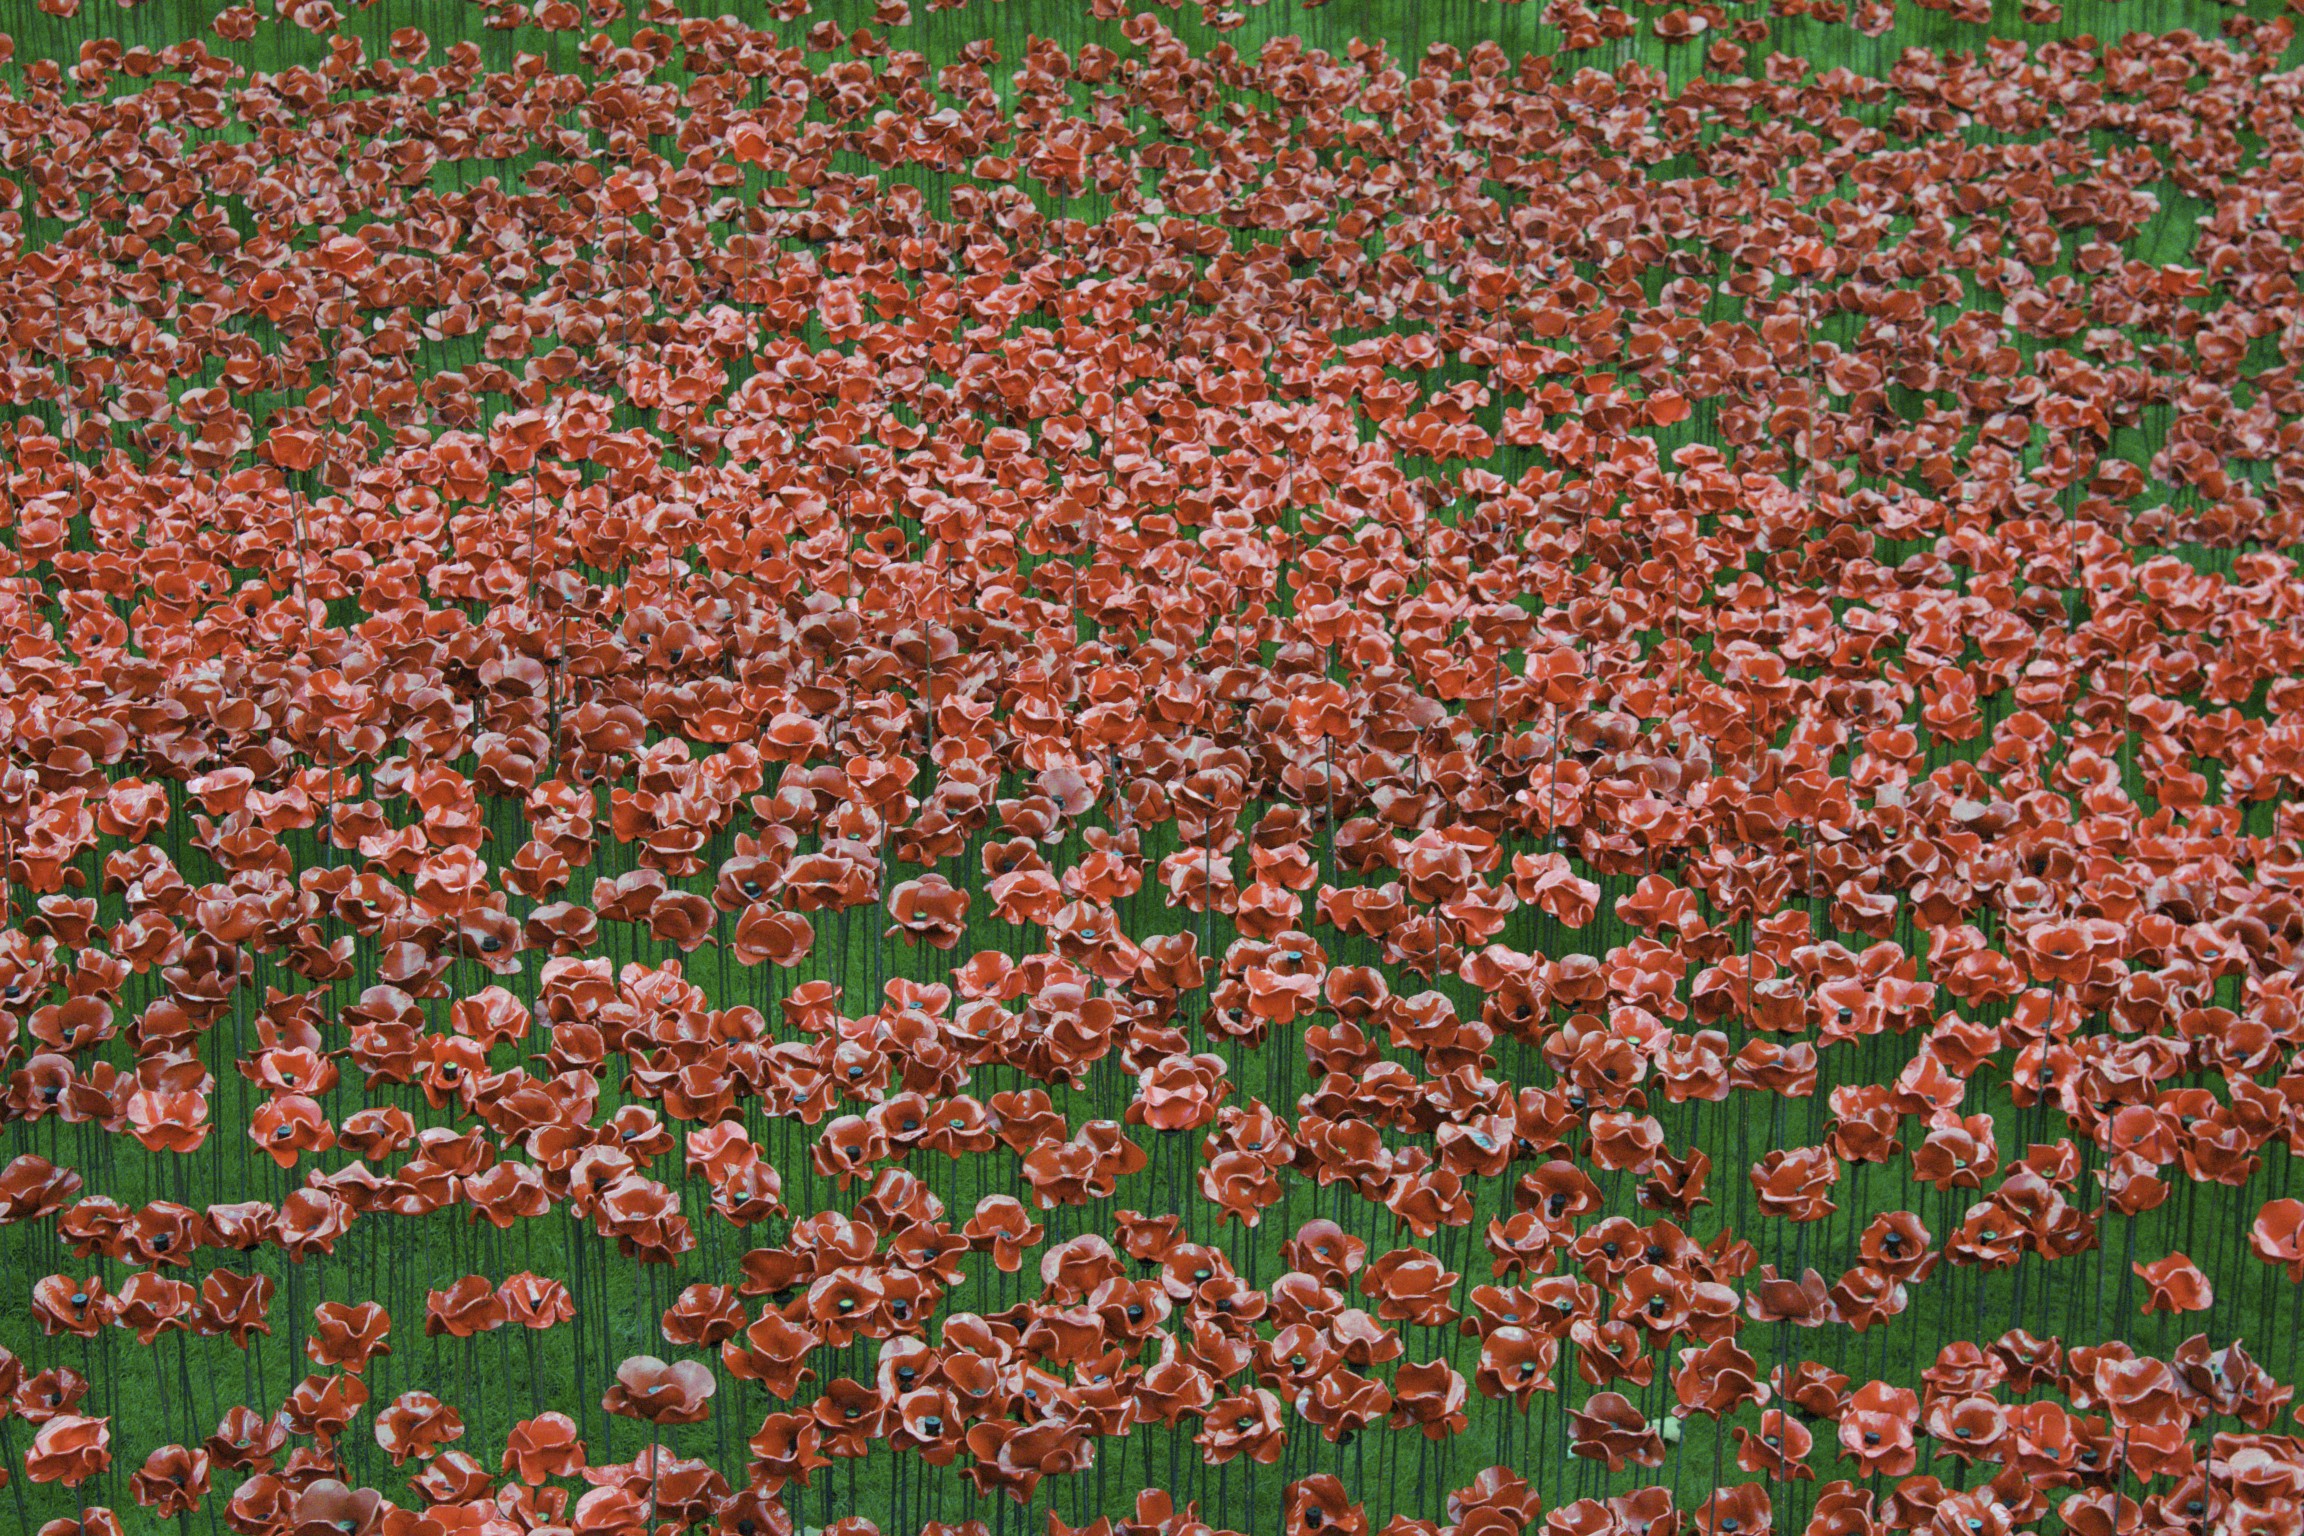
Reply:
x=1609, y=1428
x=1876, y=1428
x=465, y=1308
x=2177, y=1285
x=2277, y=1236
x=416, y=1424
x=70, y=1450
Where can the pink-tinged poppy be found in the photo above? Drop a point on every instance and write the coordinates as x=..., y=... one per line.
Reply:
x=647, y=1388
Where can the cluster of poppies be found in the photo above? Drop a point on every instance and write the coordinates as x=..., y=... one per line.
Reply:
x=1167, y=783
